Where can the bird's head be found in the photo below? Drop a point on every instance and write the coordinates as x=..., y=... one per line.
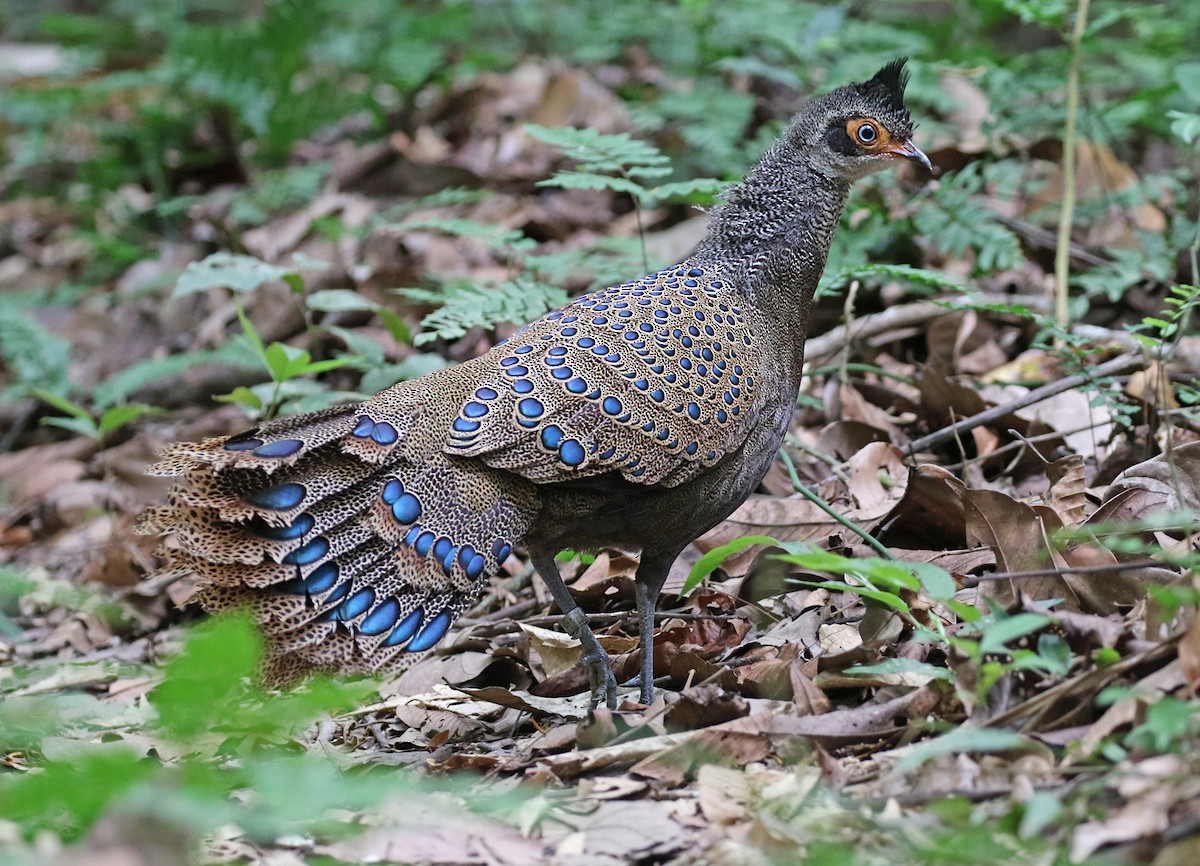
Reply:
x=860, y=128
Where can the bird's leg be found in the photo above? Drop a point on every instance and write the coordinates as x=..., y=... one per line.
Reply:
x=648, y=583
x=595, y=659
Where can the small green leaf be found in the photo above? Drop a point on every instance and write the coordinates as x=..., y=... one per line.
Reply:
x=62, y=404
x=996, y=635
x=237, y=273
x=963, y=739
x=118, y=416
x=710, y=561
x=339, y=301
x=83, y=426
x=242, y=396
x=903, y=666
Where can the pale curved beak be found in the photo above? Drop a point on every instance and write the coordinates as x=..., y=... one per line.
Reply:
x=908, y=150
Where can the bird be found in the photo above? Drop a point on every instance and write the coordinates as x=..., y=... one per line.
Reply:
x=635, y=417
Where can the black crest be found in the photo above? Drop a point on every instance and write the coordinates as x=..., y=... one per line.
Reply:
x=890, y=82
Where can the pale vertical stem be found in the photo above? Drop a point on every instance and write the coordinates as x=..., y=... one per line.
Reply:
x=1062, y=261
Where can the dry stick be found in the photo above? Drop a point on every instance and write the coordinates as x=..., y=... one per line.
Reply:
x=975, y=580
x=904, y=316
x=1062, y=255
x=1116, y=366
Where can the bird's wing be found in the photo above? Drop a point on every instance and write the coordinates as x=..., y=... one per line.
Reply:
x=653, y=379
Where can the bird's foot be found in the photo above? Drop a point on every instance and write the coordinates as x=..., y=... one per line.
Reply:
x=595, y=660
x=645, y=689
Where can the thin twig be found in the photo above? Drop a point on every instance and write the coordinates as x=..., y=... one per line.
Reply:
x=828, y=509
x=1104, y=568
x=1062, y=253
x=1116, y=366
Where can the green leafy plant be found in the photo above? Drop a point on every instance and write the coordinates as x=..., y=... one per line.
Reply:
x=95, y=426
x=622, y=164
x=288, y=367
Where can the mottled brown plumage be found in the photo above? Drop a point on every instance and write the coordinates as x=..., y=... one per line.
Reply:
x=636, y=417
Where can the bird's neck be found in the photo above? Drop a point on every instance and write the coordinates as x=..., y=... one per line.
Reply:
x=772, y=237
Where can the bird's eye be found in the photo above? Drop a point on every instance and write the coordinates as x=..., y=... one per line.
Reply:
x=867, y=134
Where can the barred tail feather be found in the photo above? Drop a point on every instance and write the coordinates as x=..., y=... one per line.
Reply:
x=355, y=548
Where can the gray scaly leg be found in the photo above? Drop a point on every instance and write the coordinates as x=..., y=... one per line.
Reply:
x=595, y=659
x=651, y=575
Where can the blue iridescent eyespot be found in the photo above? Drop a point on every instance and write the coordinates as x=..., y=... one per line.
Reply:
x=486, y=393
x=522, y=386
x=431, y=633
x=384, y=433
x=531, y=407
x=239, y=443
x=296, y=529
x=391, y=491
x=357, y=603
x=406, y=509
x=322, y=577
x=381, y=618
x=282, y=448
x=309, y=553
x=407, y=628
x=551, y=436
x=281, y=497
x=571, y=452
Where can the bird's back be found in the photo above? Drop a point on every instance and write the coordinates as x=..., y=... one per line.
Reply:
x=360, y=533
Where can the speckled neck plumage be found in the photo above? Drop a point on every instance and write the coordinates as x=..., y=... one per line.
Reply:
x=638, y=417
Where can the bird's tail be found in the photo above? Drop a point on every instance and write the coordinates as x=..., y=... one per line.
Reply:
x=348, y=533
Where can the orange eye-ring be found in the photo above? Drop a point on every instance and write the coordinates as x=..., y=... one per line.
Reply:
x=868, y=134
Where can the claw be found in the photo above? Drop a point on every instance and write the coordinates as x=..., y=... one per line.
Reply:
x=600, y=677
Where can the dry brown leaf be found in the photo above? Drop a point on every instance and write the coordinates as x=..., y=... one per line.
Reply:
x=437, y=830
x=1068, y=489
x=1172, y=479
x=844, y=438
x=1099, y=176
x=1189, y=655
x=876, y=481
x=930, y=514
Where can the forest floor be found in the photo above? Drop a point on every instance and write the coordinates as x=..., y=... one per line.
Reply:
x=985, y=651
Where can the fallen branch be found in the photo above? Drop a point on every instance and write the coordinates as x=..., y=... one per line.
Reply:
x=1115, y=367
x=904, y=316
